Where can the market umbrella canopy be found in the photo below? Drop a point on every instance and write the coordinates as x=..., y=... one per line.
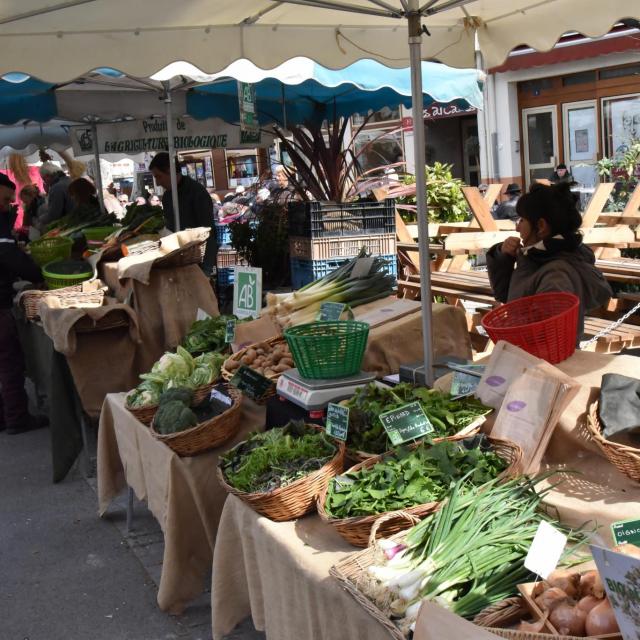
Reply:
x=60, y=41
x=300, y=90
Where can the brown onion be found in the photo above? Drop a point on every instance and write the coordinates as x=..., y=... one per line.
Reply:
x=601, y=620
x=568, y=581
x=533, y=627
x=588, y=602
x=551, y=598
x=568, y=620
x=591, y=585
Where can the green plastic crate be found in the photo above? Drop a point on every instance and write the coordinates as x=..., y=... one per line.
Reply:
x=328, y=350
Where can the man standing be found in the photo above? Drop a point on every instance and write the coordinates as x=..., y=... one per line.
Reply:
x=194, y=204
x=14, y=265
x=507, y=210
x=59, y=201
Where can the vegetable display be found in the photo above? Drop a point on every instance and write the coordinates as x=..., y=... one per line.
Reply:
x=408, y=478
x=466, y=556
x=80, y=218
x=207, y=335
x=178, y=369
x=267, y=359
x=277, y=457
x=302, y=306
x=448, y=416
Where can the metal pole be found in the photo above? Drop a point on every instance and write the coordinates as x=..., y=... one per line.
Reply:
x=96, y=159
x=172, y=152
x=417, y=105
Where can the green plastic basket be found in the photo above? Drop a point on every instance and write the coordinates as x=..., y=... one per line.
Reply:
x=59, y=280
x=98, y=234
x=48, y=250
x=327, y=350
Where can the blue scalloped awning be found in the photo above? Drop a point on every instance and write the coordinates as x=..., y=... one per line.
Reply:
x=25, y=98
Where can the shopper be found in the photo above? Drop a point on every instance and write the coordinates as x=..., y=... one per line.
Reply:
x=194, y=204
x=14, y=265
x=561, y=174
x=33, y=205
x=549, y=255
x=507, y=210
x=284, y=192
x=56, y=184
x=83, y=195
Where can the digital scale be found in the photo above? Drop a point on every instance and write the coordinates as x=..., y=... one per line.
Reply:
x=315, y=395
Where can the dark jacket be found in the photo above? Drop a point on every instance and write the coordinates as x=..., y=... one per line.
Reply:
x=196, y=210
x=32, y=211
x=59, y=202
x=506, y=210
x=15, y=264
x=558, y=267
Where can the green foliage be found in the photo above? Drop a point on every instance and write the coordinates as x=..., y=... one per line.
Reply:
x=208, y=335
x=174, y=416
x=277, y=457
x=265, y=245
x=623, y=170
x=447, y=416
x=408, y=478
x=444, y=195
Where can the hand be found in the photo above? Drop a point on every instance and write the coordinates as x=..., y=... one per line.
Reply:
x=510, y=246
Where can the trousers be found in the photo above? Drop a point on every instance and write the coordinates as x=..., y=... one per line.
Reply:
x=12, y=393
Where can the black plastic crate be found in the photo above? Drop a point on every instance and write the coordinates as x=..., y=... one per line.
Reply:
x=323, y=219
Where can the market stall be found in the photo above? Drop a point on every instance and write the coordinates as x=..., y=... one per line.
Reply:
x=301, y=599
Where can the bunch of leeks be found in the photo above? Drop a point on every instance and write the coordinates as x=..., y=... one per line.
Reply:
x=299, y=307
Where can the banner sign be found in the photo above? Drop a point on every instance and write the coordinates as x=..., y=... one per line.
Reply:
x=249, y=127
x=138, y=136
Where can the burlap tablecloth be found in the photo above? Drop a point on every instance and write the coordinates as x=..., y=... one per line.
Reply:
x=182, y=493
x=278, y=572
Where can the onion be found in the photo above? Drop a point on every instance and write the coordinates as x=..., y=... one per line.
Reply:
x=568, y=581
x=551, y=598
x=588, y=602
x=591, y=585
x=601, y=620
x=568, y=620
x=538, y=588
x=628, y=549
x=533, y=627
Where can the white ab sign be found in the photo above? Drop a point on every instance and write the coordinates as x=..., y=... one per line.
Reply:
x=247, y=292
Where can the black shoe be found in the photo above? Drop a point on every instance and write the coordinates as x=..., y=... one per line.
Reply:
x=32, y=423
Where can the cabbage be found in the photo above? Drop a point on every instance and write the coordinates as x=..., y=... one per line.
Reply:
x=172, y=365
x=146, y=394
x=201, y=375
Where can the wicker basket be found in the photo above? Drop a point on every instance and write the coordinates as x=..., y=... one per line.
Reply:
x=143, y=414
x=626, y=459
x=68, y=297
x=207, y=435
x=355, y=456
x=183, y=257
x=362, y=531
x=296, y=499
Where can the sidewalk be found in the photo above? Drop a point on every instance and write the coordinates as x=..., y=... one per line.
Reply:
x=66, y=574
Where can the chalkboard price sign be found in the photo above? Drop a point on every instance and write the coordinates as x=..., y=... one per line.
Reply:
x=251, y=383
x=406, y=423
x=337, y=425
x=331, y=311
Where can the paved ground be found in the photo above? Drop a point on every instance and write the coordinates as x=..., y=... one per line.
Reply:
x=66, y=574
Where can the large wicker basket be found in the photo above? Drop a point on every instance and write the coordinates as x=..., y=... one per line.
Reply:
x=68, y=297
x=296, y=499
x=626, y=459
x=207, y=435
x=193, y=254
x=355, y=456
x=358, y=530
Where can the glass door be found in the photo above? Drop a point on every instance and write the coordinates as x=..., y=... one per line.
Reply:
x=540, y=142
x=579, y=121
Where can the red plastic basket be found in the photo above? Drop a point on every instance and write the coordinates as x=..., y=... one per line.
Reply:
x=545, y=325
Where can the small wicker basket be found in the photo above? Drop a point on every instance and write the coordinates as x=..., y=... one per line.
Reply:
x=207, y=435
x=183, y=258
x=626, y=459
x=296, y=499
x=68, y=297
x=362, y=531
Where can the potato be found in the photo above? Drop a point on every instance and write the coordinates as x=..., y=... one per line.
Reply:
x=260, y=370
x=260, y=352
x=246, y=359
x=268, y=371
x=288, y=362
x=231, y=364
x=281, y=368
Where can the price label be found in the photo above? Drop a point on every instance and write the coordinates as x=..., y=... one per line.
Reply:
x=221, y=397
x=230, y=331
x=337, y=425
x=545, y=550
x=406, y=423
x=251, y=383
x=626, y=531
x=331, y=311
x=247, y=292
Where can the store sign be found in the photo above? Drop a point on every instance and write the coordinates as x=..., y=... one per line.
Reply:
x=150, y=135
x=247, y=292
x=626, y=531
x=249, y=127
x=406, y=423
x=337, y=425
x=438, y=111
x=251, y=383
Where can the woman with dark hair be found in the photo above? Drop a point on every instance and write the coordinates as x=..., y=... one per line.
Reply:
x=549, y=255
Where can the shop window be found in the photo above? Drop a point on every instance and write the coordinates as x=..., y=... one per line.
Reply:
x=536, y=87
x=620, y=72
x=376, y=148
x=386, y=114
x=242, y=167
x=621, y=116
x=579, y=78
